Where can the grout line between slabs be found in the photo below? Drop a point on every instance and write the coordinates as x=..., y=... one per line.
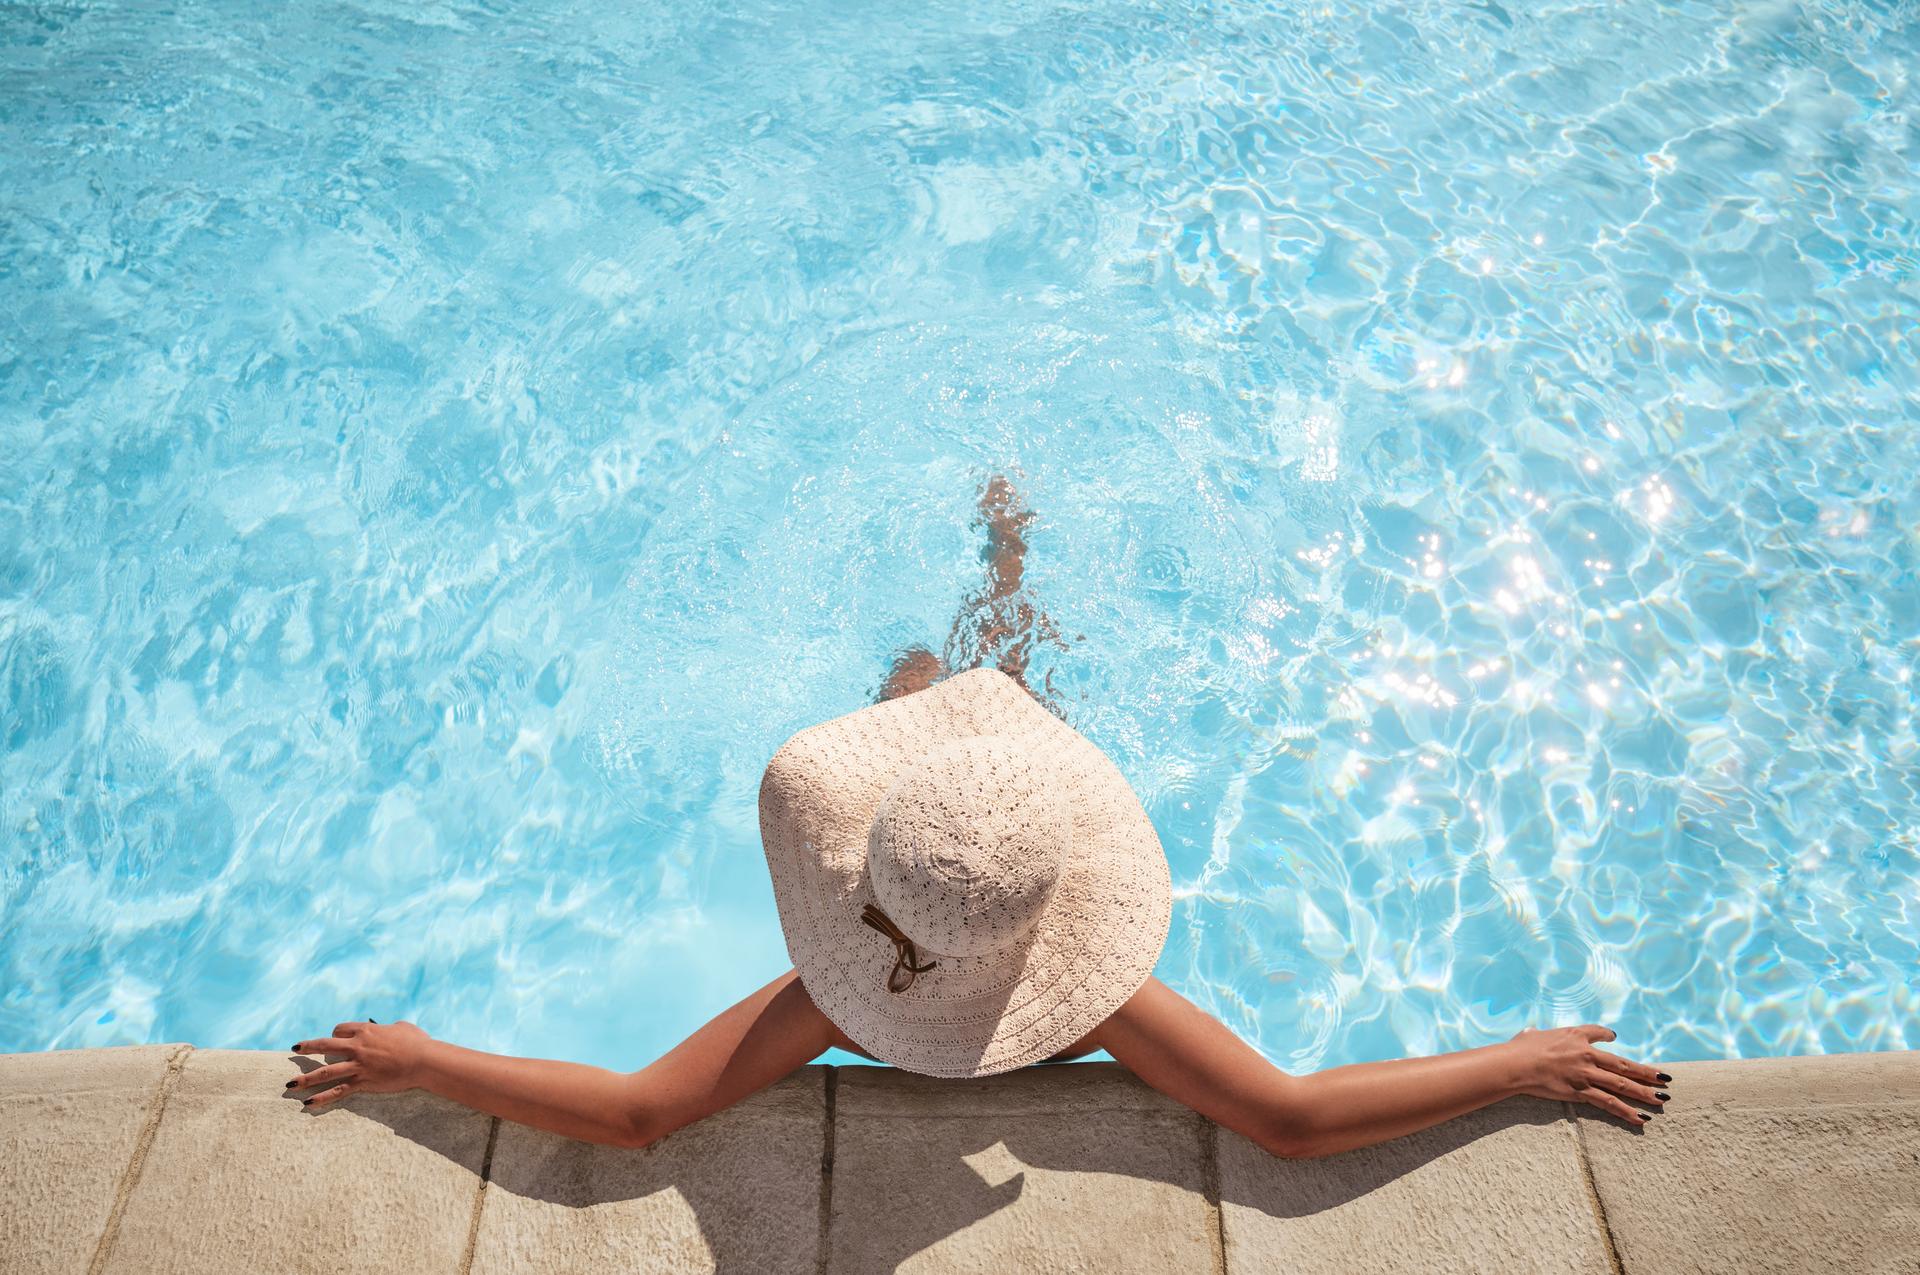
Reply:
x=480, y=1197
x=137, y=1163
x=1210, y=1189
x=824, y=1254
x=1593, y=1191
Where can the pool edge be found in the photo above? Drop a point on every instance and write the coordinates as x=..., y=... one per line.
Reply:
x=177, y=1157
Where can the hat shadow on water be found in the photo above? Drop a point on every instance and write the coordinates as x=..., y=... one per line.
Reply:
x=861, y=1168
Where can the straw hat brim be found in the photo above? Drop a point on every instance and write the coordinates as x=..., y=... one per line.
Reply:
x=1094, y=946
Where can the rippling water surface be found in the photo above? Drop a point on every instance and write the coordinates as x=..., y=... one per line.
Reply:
x=445, y=449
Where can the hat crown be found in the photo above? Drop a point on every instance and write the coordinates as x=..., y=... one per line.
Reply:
x=967, y=846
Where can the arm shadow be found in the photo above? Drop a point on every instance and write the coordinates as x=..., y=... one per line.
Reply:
x=907, y=1161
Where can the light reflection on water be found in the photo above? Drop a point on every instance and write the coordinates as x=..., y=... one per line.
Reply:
x=448, y=451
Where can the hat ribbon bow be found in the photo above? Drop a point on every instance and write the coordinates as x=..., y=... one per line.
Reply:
x=906, y=957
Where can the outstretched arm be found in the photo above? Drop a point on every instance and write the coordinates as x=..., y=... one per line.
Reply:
x=1192, y=1057
x=742, y=1050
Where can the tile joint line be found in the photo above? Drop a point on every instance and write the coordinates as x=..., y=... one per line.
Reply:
x=824, y=1253
x=137, y=1162
x=480, y=1196
x=1210, y=1189
x=1593, y=1191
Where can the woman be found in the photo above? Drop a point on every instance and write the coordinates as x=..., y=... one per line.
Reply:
x=967, y=885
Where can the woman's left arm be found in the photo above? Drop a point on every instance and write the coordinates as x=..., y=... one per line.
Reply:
x=745, y=1048
x=1191, y=1056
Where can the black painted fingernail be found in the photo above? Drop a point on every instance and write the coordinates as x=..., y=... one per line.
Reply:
x=1643, y=1115
x=308, y=1102
x=1663, y=1077
x=292, y=1083
x=294, y=1048
x=1664, y=1097
x=373, y=1020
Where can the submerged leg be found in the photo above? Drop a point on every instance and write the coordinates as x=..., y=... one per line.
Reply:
x=995, y=623
x=999, y=623
x=998, y=614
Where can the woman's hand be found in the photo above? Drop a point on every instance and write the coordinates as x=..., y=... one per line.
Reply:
x=1562, y=1064
x=378, y=1058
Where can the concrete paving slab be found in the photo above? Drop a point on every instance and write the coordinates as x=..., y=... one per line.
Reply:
x=1058, y=1168
x=70, y=1120
x=1500, y=1189
x=1776, y=1165
x=1769, y=1164
x=241, y=1177
x=738, y=1191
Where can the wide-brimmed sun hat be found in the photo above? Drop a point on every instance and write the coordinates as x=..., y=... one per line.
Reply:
x=967, y=884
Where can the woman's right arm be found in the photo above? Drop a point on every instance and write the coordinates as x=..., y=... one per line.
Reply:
x=1187, y=1054
x=743, y=1049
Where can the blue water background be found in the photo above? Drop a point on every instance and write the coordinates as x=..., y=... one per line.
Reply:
x=445, y=449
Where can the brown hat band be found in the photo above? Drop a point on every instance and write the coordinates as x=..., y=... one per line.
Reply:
x=905, y=957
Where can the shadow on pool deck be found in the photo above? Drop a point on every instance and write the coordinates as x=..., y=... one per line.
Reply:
x=165, y=1157
x=922, y=1178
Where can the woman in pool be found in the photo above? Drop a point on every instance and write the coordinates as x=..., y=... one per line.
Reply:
x=967, y=886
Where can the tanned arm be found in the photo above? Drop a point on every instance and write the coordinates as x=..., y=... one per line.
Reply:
x=1166, y=1040
x=744, y=1049
x=1187, y=1054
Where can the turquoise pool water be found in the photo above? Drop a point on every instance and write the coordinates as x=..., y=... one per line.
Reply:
x=447, y=448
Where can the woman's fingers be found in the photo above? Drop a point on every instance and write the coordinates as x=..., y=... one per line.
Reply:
x=345, y=1030
x=1612, y=1105
x=1637, y=1071
x=324, y=1045
x=1594, y=1031
x=329, y=1096
x=329, y=1074
x=1625, y=1087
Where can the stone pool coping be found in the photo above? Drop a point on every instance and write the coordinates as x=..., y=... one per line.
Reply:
x=171, y=1158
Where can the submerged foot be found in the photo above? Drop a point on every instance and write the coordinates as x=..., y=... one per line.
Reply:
x=1006, y=519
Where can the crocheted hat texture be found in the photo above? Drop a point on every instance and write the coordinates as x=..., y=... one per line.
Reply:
x=1022, y=893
